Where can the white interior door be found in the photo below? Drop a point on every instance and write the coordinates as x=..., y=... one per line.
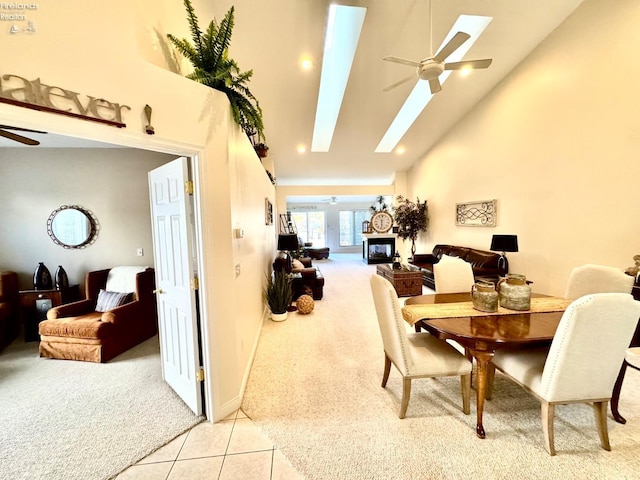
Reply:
x=174, y=253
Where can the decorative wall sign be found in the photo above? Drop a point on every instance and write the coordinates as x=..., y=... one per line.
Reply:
x=477, y=214
x=34, y=94
x=268, y=212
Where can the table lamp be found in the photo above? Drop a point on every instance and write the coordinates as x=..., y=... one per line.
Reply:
x=504, y=243
x=288, y=242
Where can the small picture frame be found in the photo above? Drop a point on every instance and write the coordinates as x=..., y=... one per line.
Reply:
x=268, y=212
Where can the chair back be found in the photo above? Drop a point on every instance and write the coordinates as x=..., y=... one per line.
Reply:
x=392, y=328
x=589, y=347
x=453, y=275
x=588, y=279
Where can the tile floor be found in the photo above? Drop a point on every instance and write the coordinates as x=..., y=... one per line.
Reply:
x=233, y=448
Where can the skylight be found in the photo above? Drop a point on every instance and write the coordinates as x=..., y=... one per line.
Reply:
x=421, y=95
x=343, y=32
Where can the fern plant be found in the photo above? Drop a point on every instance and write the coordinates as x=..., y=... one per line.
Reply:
x=209, y=55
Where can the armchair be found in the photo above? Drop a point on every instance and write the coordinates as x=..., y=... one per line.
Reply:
x=305, y=275
x=9, y=308
x=102, y=326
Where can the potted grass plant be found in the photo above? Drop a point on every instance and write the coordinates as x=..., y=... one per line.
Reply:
x=278, y=294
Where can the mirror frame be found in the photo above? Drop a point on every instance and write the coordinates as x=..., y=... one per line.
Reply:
x=93, y=226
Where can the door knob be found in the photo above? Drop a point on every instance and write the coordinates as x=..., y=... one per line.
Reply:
x=158, y=291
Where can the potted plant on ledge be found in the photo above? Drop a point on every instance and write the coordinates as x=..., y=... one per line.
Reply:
x=208, y=52
x=411, y=218
x=278, y=294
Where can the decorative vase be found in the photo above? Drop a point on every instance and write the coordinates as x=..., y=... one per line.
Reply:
x=42, y=278
x=514, y=292
x=62, y=281
x=278, y=317
x=484, y=297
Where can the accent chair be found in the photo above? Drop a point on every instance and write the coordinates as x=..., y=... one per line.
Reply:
x=118, y=313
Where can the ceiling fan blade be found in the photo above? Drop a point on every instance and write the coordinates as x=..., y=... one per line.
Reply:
x=18, y=138
x=403, y=61
x=434, y=85
x=398, y=83
x=9, y=127
x=468, y=64
x=457, y=40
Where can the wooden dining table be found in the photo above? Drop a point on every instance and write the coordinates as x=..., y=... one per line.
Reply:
x=450, y=316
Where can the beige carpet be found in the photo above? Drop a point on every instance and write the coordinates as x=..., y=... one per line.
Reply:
x=314, y=389
x=66, y=420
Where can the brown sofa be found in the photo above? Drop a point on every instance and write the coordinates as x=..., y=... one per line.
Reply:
x=308, y=277
x=76, y=331
x=9, y=308
x=483, y=263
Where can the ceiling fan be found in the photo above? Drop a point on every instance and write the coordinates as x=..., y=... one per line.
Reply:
x=331, y=201
x=18, y=138
x=432, y=67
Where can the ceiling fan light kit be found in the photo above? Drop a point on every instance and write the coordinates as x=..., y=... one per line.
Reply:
x=432, y=67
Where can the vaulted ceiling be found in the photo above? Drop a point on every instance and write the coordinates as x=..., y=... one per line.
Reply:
x=273, y=37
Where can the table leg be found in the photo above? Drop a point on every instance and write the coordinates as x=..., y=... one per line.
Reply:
x=482, y=360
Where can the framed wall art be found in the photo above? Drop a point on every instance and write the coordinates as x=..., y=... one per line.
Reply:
x=268, y=212
x=482, y=213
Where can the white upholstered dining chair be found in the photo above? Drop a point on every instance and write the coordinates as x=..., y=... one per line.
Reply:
x=588, y=279
x=415, y=355
x=583, y=361
x=452, y=275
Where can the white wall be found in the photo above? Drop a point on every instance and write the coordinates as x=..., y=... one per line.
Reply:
x=92, y=48
x=556, y=143
x=110, y=182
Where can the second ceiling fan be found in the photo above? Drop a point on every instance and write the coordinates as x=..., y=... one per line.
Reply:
x=432, y=67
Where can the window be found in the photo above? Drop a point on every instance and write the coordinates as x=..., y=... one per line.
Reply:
x=310, y=226
x=351, y=226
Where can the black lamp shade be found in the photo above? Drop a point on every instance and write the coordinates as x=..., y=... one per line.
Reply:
x=288, y=242
x=504, y=243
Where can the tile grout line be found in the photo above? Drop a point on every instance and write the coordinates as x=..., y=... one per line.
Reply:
x=173, y=463
x=228, y=443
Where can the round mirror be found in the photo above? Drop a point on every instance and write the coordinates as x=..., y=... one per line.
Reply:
x=72, y=227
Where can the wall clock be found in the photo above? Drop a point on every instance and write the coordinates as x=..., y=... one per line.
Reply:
x=382, y=222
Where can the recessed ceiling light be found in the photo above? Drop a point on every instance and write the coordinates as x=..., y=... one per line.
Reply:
x=465, y=72
x=420, y=96
x=306, y=64
x=400, y=150
x=343, y=32
x=302, y=148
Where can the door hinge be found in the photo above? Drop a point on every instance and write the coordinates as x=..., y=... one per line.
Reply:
x=195, y=284
x=188, y=187
x=200, y=375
